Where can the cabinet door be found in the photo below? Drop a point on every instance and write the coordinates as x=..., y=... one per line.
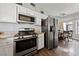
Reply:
x=2, y=51
x=7, y=12
x=40, y=41
x=40, y=46
x=38, y=21
x=9, y=50
x=21, y=10
x=25, y=11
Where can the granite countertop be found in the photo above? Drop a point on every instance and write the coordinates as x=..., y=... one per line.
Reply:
x=4, y=35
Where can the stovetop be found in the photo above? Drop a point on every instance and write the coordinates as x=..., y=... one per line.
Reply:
x=25, y=37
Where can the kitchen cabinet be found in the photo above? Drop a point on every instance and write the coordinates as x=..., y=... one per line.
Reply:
x=21, y=10
x=2, y=51
x=8, y=12
x=9, y=50
x=40, y=41
x=37, y=21
x=41, y=16
x=6, y=50
x=9, y=46
x=6, y=47
x=30, y=12
x=25, y=11
x=38, y=18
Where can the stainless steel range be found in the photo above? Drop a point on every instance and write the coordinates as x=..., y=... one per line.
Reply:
x=26, y=43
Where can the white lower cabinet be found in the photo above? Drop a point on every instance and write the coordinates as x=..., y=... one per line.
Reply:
x=40, y=41
x=6, y=50
x=6, y=47
x=9, y=50
x=2, y=51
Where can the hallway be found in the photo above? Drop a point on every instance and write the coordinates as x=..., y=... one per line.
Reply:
x=65, y=48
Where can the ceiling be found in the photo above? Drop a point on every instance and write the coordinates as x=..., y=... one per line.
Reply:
x=58, y=9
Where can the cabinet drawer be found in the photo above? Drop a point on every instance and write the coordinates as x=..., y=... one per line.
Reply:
x=7, y=41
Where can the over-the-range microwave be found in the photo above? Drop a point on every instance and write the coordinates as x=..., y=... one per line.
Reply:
x=25, y=18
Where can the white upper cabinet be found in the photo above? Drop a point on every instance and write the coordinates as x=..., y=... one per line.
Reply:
x=7, y=12
x=42, y=16
x=37, y=21
x=25, y=11
x=38, y=18
x=29, y=12
x=21, y=10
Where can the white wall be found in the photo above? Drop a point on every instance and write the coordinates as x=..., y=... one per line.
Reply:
x=8, y=27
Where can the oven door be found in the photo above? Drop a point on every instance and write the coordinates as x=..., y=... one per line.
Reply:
x=25, y=46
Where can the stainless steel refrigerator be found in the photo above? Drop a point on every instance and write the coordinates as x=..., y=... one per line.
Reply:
x=50, y=27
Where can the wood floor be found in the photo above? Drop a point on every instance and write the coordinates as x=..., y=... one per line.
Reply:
x=65, y=48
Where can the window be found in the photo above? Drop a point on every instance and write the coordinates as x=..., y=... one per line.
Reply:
x=77, y=26
x=69, y=27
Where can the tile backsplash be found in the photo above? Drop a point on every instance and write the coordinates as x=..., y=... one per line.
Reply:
x=8, y=27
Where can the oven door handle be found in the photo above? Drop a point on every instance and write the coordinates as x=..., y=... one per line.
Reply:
x=24, y=39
